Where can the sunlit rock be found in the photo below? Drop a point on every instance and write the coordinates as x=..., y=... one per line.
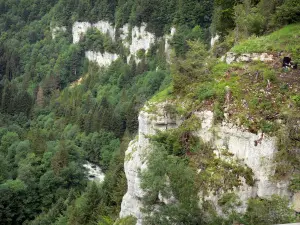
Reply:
x=102, y=59
x=94, y=172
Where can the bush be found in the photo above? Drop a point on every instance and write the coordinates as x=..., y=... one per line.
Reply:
x=289, y=12
x=128, y=220
x=192, y=68
x=206, y=92
x=269, y=211
x=295, y=183
x=296, y=99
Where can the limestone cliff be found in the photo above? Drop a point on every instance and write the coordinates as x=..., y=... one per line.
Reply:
x=136, y=39
x=101, y=59
x=259, y=157
x=136, y=159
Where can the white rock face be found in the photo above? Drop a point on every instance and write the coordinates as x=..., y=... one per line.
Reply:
x=296, y=202
x=225, y=136
x=259, y=158
x=102, y=60
x=94, y=172
x=242, y=144
x=131, y=202
x=124, y=34
x=106, y=28
x=140, y=38
x=79, y=29
x=136, y=160
x=167, y=43
x=214, y=39
x=57, y=30
x=231, y=57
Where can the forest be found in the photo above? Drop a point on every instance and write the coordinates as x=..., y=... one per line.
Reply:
x=51, y=126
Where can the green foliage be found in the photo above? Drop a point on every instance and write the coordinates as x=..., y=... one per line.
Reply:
x=287, y=158
x=100, y=147
x=86, y=208
x=281, y=40
x=288, y=12
x=96, y=41
x=163, y=95
x=7, y=140
x=228, y=202
x=180, y=41
x=296, y=99
x=129, y=220
x=12, y=197
x=295, y=183
x=272, y=210
x=206, y=91
x=190, y=69
x=223, y=16
x=49, y=127
x=162, y=177
x=141, y=53
x=269, y=211
x=218, y=112
x=248, y=20
x=180, y=141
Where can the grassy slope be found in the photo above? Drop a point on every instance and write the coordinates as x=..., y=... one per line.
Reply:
x=286, y=39
x=253, y=104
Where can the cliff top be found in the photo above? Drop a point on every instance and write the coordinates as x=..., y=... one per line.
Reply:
x=253, y=91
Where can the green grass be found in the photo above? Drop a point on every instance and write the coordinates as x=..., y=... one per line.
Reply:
x=250, y=105
x=163, y=95
x=286, y=39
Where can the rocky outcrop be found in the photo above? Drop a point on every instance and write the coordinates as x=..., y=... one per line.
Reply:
x=231, y=57
x=213, y=40
x=296, y=202
x=106, y=28
x=56, y=30
x=135, y=39
x=94, y=172
x=140, y=40
x=80, y=28
x=241, y=143
x=136, y=159
x=168, y=38
x=102, y=60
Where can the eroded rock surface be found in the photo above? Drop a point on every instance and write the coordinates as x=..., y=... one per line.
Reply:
x=231, y=57
x=224, y=136
x=104, y=59
x=136, y=159
x=241, y=144
x=80, y=28
x=135, y=40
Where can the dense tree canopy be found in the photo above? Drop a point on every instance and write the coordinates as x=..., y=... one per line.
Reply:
x=52, y=122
